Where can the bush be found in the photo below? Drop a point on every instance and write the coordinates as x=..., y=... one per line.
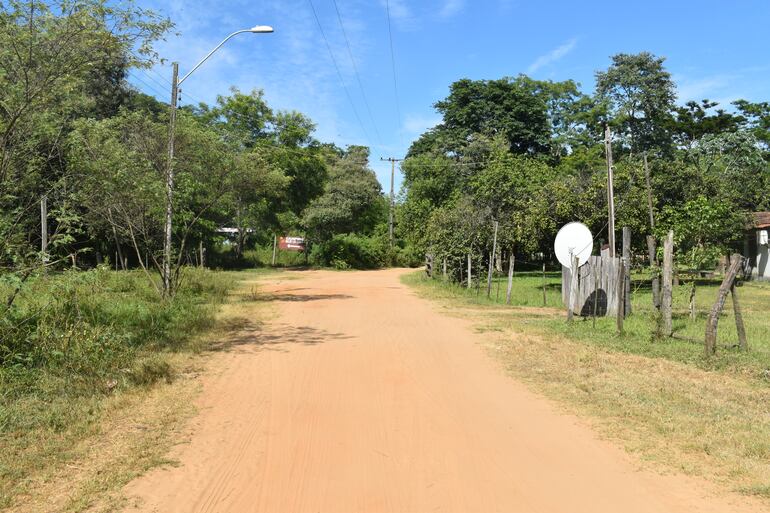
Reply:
x=80, y=333
x=350, y=251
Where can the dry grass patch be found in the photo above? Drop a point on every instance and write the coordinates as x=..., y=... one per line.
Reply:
x=673, y=415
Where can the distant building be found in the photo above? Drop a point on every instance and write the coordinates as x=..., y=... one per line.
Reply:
x=757, y=246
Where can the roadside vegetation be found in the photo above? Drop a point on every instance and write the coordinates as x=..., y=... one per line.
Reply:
x=78, y=339
x=663, y=400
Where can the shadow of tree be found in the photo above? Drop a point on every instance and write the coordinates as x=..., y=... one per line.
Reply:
x=296, y=297
x=241, y=332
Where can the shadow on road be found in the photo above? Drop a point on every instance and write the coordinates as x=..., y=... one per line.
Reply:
x=243, y=332
x=297, y=297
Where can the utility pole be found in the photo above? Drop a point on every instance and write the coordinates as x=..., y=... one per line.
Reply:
x=392, y=196
x=170, y=182
x=610, y=189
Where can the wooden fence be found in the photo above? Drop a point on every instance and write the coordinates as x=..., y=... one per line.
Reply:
x=597, y=291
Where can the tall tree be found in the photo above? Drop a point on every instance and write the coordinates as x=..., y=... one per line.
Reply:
x=640, y=94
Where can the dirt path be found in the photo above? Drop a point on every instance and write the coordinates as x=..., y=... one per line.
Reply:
x=360, y=397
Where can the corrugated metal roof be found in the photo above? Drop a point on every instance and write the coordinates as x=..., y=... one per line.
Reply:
x=762, y=219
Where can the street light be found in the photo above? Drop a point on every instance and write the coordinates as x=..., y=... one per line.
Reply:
x=175, y=82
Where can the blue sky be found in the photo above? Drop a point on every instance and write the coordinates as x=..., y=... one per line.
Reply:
x=714, y=49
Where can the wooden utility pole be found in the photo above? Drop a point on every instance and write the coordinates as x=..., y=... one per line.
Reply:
x=170, y=182
x=668, y=272
x=392, y=195
x=492, y=262
x=44, y=228
x=649, y=191
x=610, y=189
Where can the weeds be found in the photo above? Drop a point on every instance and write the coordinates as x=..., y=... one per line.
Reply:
x=72, y=339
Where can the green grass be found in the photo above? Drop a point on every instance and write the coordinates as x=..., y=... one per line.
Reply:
x=639, y=329
x=73, y=340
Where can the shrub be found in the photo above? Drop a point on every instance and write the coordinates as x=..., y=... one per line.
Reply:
x=350, y=251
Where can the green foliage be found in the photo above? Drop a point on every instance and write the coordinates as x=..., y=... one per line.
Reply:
x=640, y=95
x=82, y=333
x=352, y=201
x=350, y=251
x=480, y=165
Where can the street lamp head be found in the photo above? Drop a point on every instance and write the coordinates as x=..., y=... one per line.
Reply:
x=261, y=29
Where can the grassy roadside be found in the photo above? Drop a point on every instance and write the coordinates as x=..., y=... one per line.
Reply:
x=73, y=431
x=661, y=400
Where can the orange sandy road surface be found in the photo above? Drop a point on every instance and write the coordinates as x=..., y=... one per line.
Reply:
x=361, y=397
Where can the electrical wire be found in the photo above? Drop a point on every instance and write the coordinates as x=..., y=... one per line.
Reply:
x=358, y=76
x=393, y=66
x=339, y=73
x=149, y=87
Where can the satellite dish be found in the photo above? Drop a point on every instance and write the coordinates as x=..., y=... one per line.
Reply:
x=573, y=239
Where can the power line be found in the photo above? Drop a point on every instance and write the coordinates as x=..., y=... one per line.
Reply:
x=151, y=88
x=167, y=84
x=358, y=76
x=393, y=65
x=339, y=73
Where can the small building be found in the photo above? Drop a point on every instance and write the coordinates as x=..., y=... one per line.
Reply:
x=757, y=246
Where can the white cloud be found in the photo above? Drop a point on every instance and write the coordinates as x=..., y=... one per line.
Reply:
x=552, y=56
x=451, y=7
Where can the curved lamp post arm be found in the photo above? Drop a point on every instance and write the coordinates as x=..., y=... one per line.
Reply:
x=259, y=29
x=211, y=53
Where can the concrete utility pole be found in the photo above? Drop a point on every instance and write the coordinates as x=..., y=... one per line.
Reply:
x=175, y=83
x=170, y=182
x=392, y=196
x=610, y=189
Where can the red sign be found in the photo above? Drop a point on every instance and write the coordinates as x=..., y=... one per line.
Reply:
x=291, y=243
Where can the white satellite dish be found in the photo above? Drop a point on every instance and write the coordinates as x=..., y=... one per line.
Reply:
x=573, y=239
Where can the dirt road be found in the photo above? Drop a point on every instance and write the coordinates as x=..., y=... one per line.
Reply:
x=361, y=397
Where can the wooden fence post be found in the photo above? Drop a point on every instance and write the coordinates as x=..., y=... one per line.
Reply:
x=511, y=263
x=626, y=271
x=573, y=287
x=710, y=342
x=621, y=293
x=652, y=253
x=668, y=270
x=544, y=299
x=492, y=262
x=742, y=343
x=444, y=275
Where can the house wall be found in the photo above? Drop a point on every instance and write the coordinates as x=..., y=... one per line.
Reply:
x=761, y=259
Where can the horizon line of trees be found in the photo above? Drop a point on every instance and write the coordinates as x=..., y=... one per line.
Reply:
x=530, y=154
